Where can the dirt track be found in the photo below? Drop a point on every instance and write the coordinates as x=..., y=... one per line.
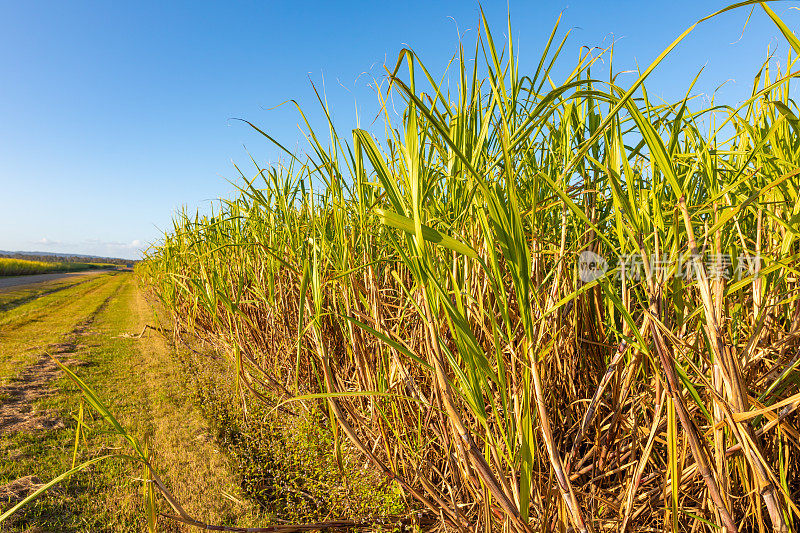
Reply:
x=15, y=281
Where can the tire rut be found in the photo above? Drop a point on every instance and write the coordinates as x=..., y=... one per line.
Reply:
x=17, y=399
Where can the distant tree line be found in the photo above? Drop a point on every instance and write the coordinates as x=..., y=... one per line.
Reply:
x=46, y=258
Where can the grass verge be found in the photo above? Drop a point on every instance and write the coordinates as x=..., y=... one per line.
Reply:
x=90, y=329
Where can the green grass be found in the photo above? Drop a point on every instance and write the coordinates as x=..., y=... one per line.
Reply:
x=15, y=296
x=107, y=497
x=421, y=288
x=28, y=329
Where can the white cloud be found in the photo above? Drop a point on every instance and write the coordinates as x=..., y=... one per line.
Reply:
x=133, y=245
x=91, y=246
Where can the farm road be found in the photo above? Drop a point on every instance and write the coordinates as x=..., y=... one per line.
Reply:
x=15, y=281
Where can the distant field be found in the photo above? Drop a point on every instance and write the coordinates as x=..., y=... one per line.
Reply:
x=20, y=267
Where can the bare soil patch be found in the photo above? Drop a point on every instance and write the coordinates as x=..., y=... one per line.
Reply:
x=19, y=489
x=17, y=412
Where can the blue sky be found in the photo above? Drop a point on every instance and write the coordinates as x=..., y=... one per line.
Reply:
x=113, y=115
